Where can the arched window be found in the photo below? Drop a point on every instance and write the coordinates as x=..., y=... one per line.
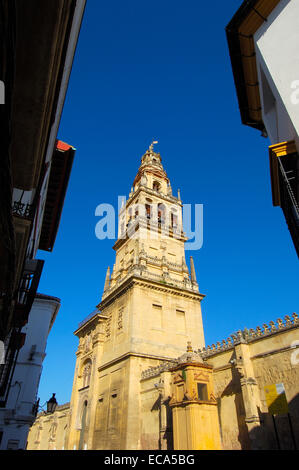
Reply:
x=174, y=220
x=130, y=219
x=156, y=186
x=148, y=208
x=148, y=211
x=136, y=208
x=161, y=214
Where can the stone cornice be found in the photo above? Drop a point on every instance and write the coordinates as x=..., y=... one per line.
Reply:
x=89, y=323
x=155, y=285
x=274, y=351
x=159, y=286
x=192, y=402
x=156, y=170
x=135, y=354
x=191, y=364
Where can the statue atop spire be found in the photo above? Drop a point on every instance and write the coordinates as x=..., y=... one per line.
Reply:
x=151, y=147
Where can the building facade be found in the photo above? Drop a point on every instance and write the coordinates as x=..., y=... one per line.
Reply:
x=135, y=385
x=263, y=42
x=22, y=405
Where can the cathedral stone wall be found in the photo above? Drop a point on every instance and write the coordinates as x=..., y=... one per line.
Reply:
x=241, y=374
x=150, y=411
x=137, y=414
x=231, y=412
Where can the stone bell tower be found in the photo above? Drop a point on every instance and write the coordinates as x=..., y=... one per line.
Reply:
x=150, y=308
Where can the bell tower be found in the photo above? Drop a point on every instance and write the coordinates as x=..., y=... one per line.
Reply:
x=150, y=309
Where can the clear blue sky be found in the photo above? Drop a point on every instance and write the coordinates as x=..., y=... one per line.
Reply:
x=161, y=70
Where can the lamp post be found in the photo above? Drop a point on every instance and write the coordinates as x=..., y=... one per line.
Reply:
x=52, y=404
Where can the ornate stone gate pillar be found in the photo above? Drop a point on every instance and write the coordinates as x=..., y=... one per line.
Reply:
x=194, y=407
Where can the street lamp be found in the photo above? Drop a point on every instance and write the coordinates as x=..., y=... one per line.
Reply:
x=52, y=404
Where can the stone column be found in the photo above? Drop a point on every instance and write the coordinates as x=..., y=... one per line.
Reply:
x=250, y=394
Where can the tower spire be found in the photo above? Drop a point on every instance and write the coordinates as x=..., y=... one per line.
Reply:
x=107, y=279
x=193, y=275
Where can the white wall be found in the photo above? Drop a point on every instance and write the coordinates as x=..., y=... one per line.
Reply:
x=277, y=50
x=16, y=417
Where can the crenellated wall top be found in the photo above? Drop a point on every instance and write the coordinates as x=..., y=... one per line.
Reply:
x=247, y=336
